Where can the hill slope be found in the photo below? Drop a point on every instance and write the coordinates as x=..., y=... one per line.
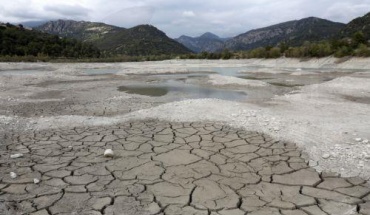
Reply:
x=18, y=41
x=207, y=42
x=358, y=24
x=139, y=40
x=292, y=32
x=84, y=31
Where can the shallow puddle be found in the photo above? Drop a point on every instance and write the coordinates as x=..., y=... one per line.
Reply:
x=282, y=84
x=362, y=100
x=182, y=91
x=103, y=71
x=143, y=90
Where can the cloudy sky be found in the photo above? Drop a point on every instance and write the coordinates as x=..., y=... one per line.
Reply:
x=190, y=17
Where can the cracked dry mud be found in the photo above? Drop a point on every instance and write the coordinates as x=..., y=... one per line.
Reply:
x=168, y=168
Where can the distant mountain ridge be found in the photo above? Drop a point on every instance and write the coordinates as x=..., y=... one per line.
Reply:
x=80, y=30
x=294, y=33
x=207, y=42
x=359, y=24
x=148, y=40
x=139, y=40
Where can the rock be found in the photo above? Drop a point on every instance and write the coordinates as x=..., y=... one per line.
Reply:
x=19, y=155
x=365, y=141
x=108, y=153
x=326, y=156
x=13, y=175
x=358, y=139
x=361, y=164
x=36, y=181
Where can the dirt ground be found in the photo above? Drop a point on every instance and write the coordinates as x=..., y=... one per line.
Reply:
x=283, y=126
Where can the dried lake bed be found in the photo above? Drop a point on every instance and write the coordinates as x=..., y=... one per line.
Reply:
x=190, y=137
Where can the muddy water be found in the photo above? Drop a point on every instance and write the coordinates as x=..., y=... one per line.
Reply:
x=182, y=91
x=103, y=71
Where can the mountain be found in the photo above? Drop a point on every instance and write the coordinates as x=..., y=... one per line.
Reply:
x=80, y=30
x=293, y=32
x=139, y=40
x=358, y=24
x=19, y=41
x=207, y=42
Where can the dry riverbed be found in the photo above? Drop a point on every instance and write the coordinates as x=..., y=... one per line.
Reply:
x=189, y=137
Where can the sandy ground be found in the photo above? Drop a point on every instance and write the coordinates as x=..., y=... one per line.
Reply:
x=329, y=120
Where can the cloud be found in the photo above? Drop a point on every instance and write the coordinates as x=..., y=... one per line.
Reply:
x=335, y=11
x=67, y=10
x=188, y=13
x=129, y=17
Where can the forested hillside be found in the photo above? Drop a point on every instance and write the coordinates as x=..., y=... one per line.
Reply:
x=18, y=41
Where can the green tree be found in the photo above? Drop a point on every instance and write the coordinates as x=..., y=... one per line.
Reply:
x=362, y=51
x=226, y=54
x=358, y=38
x=274, y=53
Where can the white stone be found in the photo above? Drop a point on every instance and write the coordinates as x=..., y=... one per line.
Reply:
x=312, y=163
x=13, y=175
x=19, y=155
x=36, y=180
x=108, y=153
x=326, y=156
x=358, y=139
x=365, y=141
x=361, y=164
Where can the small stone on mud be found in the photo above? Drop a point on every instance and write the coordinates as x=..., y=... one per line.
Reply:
x=19, y=155
x=108, y=153
x=36, y=180
x=358, y=139
x=326, y=156
x=13, y=175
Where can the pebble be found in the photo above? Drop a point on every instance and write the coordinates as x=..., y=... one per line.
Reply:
x=361, y=164
x=36, y=180
x=365, y=141
x=312, y=163
x=358, y=139
x=13, y=175
x=108, y=153
x=19, y=155
x=326, y=156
